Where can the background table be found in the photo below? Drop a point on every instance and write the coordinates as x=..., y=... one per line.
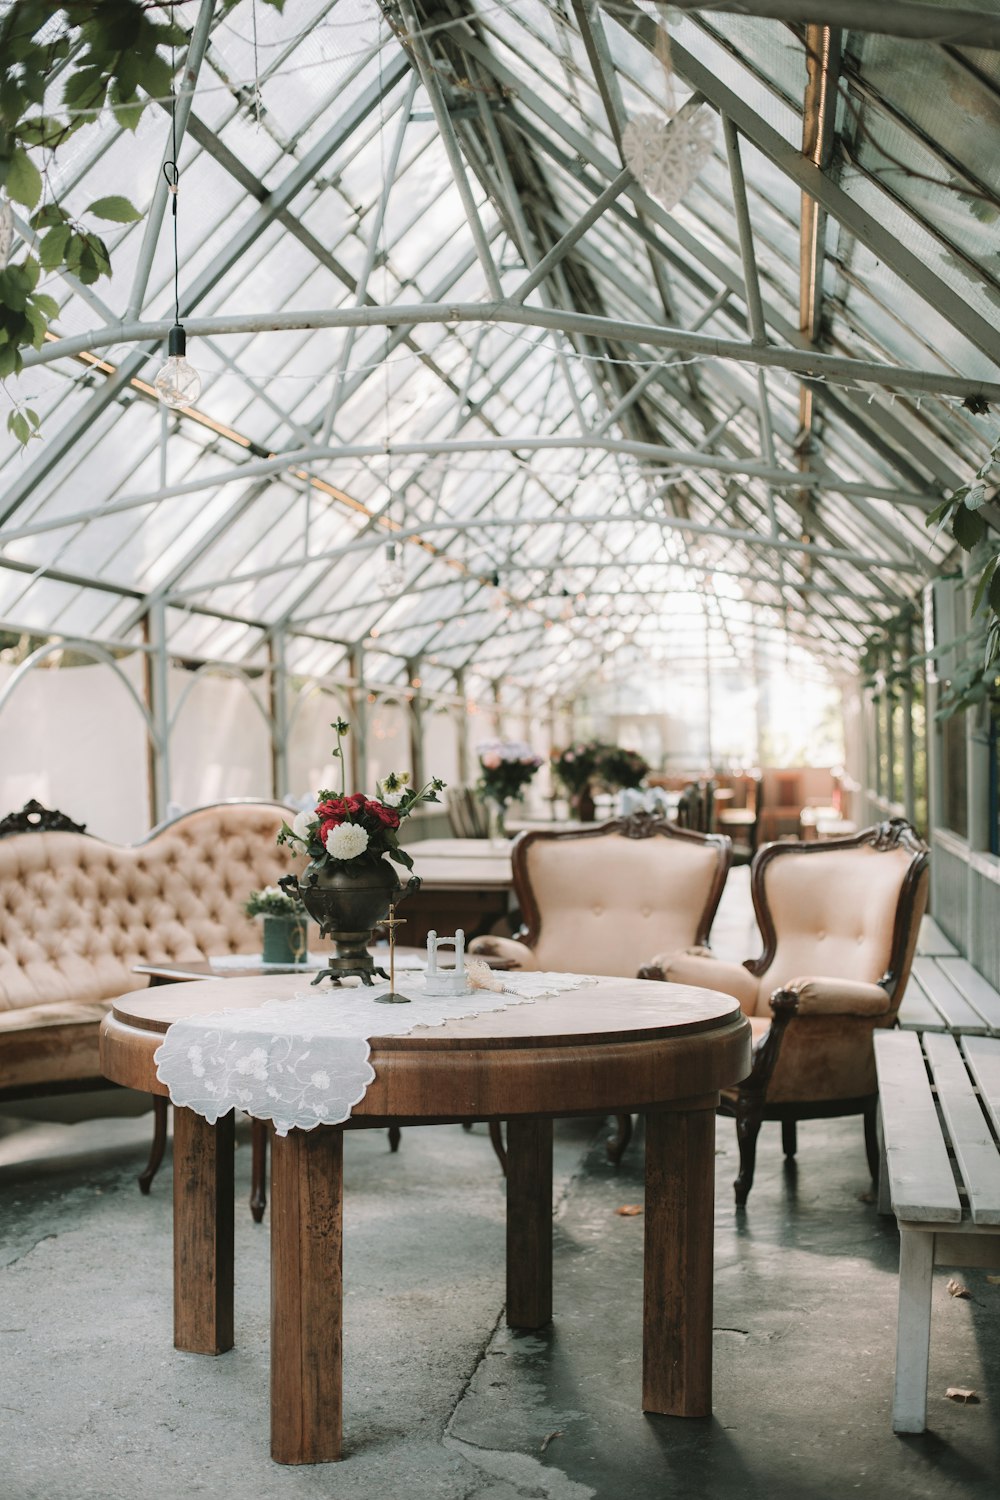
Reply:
x=611, y=1047
x=465, y=883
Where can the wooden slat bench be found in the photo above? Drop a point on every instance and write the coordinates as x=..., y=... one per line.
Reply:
x=945, y=993
x=939, y=1101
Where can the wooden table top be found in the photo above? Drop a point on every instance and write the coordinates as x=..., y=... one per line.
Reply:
x=615, y=1044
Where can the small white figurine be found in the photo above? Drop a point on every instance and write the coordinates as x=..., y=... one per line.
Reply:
x=446, y=981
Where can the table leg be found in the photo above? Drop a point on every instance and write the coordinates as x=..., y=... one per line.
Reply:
x=677, y=1308
x=203, y=1233
x=529, y=1222
x=306, y=1295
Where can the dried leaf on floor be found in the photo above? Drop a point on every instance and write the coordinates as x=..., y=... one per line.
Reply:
x=957, y=1288
x=993, y=1280
x=628, y=1209
x=866, y=1197
x=547, y=1439
x=961, y=1393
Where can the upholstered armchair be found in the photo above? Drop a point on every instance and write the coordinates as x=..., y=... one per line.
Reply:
x=839, y=923
x=600, y=900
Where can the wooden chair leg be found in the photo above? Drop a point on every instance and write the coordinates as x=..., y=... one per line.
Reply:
x=872, y=1149
x=619, y=1141
x=161, y=1105
x=258, y=1169
x=395, y=1135
x=496, y=1137
x=789, y=1137
x=749, y=1115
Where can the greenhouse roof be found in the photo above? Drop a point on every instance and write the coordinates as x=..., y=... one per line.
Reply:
x=429, y=301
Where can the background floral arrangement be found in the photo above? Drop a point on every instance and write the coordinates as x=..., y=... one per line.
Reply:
x=505, y=768
x=594, y=761
x=350, y=832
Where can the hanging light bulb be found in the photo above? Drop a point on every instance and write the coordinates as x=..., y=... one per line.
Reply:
x=178, y=383
x=393, y=574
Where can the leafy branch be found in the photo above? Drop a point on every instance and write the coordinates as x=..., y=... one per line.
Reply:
x=976, y=678
x=111, y=54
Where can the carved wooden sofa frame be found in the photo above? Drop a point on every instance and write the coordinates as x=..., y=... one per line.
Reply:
x=59, y=971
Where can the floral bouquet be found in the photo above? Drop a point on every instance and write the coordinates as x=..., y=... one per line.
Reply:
x=618, y=768
x=575, y=765
x=505, y=768
x=355, y=832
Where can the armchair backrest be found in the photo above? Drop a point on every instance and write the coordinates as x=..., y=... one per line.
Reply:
x=603, y=900
x=846, y=908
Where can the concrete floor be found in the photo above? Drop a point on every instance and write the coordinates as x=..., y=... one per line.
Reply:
x=442, y=1401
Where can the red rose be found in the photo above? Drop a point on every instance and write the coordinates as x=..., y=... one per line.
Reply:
x=387, y=816
x=355, y=804
x=333, y=807
x=327, y=826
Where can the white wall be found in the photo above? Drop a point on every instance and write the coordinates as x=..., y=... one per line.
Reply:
x=73, y=738
x=220, y=746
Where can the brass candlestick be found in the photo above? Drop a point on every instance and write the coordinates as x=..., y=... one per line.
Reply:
x=391, y=998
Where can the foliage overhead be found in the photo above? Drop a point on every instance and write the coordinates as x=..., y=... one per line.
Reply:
x=60, y=68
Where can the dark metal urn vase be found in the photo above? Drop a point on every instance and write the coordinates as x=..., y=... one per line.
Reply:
x=348, y=901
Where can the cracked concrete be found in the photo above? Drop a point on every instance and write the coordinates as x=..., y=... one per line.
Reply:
x=442, y=1401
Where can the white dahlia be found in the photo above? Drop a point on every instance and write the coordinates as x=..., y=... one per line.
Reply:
x=346, y=841
x=301, y=824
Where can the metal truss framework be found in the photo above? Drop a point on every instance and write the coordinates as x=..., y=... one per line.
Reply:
x=473, y=332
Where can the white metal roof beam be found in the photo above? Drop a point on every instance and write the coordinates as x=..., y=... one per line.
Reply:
x=959, y=26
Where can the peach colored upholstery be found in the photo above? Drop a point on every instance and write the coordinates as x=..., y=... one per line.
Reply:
x=76, y=914
x=834, y=910
x=839, y=923
x=604, y=902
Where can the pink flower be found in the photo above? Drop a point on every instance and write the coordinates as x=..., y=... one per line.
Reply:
x=490, y=762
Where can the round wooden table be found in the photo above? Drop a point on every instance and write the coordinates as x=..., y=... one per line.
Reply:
x=614, y=1047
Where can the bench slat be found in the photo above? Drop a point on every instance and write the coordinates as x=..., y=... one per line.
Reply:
x=973, y=1144
x=932, y=942
x=947, y=999
x=976, y=989
x=983, y=1056
x=917, y=1012
x=921, y=1183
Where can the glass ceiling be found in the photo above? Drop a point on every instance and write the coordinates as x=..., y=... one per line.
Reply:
x=564, y=495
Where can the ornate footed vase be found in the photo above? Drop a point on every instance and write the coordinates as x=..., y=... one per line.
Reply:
x=347, y=903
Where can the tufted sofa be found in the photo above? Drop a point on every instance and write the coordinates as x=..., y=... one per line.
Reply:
x=76, y=915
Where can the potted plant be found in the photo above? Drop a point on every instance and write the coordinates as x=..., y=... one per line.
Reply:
x=505, y=769
x=575, y=766
x=618, y=768
x=284, y=925
x=349, y=884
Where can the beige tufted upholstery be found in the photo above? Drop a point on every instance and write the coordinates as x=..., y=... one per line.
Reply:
x=839, y=922
x=76, y=914
x=599, y=901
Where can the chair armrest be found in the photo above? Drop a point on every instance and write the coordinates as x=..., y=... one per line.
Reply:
x=708, y=973
x=834, y=997
x=501, y=947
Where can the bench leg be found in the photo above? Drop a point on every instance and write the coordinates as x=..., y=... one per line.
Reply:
x=913, y=1336
x=884, y=1195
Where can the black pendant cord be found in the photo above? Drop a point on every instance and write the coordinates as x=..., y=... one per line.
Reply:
x=171, y=172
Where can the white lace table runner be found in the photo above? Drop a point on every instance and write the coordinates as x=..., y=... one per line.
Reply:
x=303, y=1062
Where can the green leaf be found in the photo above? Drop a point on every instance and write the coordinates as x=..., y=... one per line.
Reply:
x=39, y=325
x=994, y=594
x=40, y=130
x=52, y=247
x=24, y=181
x=8, y=360
x=33, y=417
x=128, y=112
x=939, y=512
x=119, y=210
x=968, y=528
x=49, y=215
x=18, y=425
x=984, y=583
x=46, y=304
